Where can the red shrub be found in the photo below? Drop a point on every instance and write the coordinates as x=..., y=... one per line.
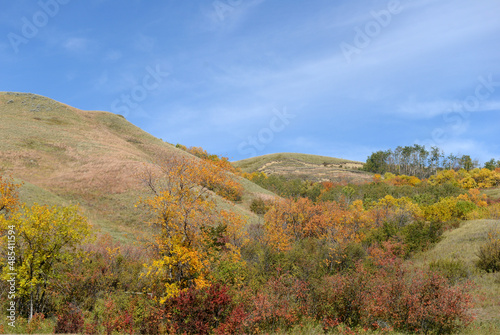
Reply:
x=118, y=320
x=69, y=320
x=341, y=298
x=234, y=323
x=199, y=311
x=385, y=293
x=280, y=304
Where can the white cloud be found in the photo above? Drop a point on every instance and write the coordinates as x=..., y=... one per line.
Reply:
x=76, y=44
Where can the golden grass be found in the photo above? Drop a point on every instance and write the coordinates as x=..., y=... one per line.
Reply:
x=92, y=158
x=254, y=163
x=304, y=166
x=493, y=193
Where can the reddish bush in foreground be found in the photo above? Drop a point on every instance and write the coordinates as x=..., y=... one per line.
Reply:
x=69, y=320
x=199, y=311
x=279, y=304
x=386, y=293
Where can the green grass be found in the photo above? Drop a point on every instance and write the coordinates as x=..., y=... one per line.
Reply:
x=31, y=194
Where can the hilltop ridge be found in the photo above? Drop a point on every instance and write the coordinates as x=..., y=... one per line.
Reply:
x=305, y=166
x=66, y=155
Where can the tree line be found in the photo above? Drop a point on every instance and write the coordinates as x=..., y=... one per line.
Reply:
x=417, y=161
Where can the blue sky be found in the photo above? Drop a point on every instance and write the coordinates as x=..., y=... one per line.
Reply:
x=250, y=77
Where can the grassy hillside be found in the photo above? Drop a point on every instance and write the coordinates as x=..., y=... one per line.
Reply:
x=304, y=166
x=462, y=244
x=65, y=155
x=493, y=193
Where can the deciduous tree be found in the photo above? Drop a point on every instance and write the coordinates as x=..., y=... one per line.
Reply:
x=184, y=215
x=45, y=237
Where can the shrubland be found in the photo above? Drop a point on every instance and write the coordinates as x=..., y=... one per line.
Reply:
x=324, y=257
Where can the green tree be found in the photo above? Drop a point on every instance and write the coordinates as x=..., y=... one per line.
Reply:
x=467, y=163
x=377, y=162
x=492, y=164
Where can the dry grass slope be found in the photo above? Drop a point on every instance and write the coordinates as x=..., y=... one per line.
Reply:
x=493, y=193
x=65, y=155
x=310, y=167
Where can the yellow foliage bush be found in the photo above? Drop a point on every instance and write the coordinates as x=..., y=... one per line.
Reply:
x=401, y=208
x=441, y=211
x=477, y=178
x=443, y=177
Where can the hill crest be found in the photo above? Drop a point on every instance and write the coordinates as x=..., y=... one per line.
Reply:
x=93, y=158
x=305, y=166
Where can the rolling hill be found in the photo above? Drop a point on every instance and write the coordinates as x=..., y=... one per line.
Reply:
x=304, y=166
x=65, y=155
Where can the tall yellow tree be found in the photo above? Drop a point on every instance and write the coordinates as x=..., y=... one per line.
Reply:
x=183, y=211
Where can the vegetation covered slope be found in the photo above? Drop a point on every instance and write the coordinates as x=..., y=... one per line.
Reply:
x=93, y=158
x=456, y=256
x=304, y=166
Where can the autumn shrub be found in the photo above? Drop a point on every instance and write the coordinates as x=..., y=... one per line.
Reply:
x=199, y=311
x=69, y=320
x=489, y=253
x=288, y=187
x=413, y=300
x=105, y=266
x=306, y=259
x=181, y=146
x=230, y=190
x=420, y=235
x=112, y=313
x=340, y=298
x=442, y=211
x=416, y=236
x=463, y=208
x=418, y=302
x=381, y=234
x=35, y=323
x=346, y=259
x=381, y=292
x=234, y=323
x=148, y=316
x=259, y=206
x=279, y=304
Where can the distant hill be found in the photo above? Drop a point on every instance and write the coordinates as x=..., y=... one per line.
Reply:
x=66, y=155
x=304, y=166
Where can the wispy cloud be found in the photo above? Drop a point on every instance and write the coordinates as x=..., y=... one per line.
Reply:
x=77, y=44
